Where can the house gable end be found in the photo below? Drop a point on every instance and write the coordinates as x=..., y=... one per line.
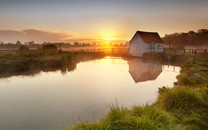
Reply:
x=135, y=35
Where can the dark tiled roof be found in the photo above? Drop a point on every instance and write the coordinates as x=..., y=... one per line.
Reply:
x=145, y=76
x=148, y=76
x=149, y=37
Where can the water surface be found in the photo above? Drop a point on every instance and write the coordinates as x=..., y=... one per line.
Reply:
x=52, y=100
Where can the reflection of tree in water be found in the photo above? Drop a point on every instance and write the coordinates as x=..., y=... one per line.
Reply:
x=32, y=67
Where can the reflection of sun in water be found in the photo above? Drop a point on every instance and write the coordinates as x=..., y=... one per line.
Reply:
x=107, y=60
x=112, y=60
x=107, y=57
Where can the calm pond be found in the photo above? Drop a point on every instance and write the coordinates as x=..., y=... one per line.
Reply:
x=53, y=100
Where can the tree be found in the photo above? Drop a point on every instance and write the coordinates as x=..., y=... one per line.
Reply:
x=76, y=43
x=23, y=48
x=190, y=38
x=31, y=43
x=18, y=43
x=49, y=47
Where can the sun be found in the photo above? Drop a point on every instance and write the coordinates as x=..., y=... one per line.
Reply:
x=108, y=38
x=108, y=34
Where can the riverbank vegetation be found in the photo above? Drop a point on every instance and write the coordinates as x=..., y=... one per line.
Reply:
x=31, y=63
x=185, y=106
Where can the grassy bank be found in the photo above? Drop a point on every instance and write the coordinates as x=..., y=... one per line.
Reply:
x=33, y=63
x=185, y=106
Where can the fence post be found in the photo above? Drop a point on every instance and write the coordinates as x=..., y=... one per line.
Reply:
x=194, y=56
x=184, y=51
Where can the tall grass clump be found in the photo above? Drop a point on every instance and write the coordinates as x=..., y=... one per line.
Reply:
x=184, y=80
x=154, y=118
x=179, y=98
x=204, y=92
x=186, y=104
x=120, y=118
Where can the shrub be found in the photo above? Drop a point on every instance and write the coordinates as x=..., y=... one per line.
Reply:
x=184, y=80
x=180, y=98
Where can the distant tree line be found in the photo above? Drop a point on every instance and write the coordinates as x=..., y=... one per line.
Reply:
x=190, y=38
x=32, y=44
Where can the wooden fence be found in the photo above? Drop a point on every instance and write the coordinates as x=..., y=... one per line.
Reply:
x=154, y=50
x=104, y=50
x=184, y=51
x=191, y=52
x=118, y=50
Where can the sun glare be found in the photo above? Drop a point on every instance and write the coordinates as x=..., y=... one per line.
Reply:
x=108, y=37
x=107, y=60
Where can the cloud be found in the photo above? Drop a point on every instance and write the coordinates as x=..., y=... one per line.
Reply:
x=40, y=36
x=32, y=35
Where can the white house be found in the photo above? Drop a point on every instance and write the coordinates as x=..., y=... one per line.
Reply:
x=145, y=42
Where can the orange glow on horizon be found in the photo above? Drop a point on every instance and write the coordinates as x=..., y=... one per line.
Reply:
x=108, y=36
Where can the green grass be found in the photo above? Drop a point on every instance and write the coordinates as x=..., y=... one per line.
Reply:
x=185, y=106
x=119, y=118
x=200, y=66
x=185, y=103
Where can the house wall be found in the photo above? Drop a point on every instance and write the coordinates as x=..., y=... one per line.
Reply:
x=136, y=46
x=157, y=47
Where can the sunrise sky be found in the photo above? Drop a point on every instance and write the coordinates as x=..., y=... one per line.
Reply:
x=97, y=21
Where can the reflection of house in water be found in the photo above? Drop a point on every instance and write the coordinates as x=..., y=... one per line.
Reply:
x=171, y=68
x=141, y=71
